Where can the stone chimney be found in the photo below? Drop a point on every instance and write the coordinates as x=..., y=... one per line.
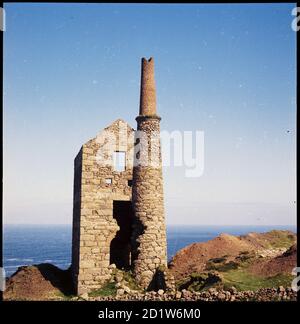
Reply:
x=148, y=93
x=149, y=253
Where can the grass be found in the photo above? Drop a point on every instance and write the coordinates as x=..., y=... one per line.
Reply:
x=62, y=296
x=222, y=267
x=236, y=273
x=244, y=257
x=109, y=289
x=241, y=279
x=199, y=281
x=279, y=239
x=131, y=283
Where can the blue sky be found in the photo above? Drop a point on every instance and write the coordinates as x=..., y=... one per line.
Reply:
x=228, y=70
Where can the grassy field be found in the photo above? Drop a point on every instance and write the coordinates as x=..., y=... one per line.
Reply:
x=242, y=279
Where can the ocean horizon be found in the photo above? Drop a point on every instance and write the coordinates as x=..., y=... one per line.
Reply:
x=28, y=244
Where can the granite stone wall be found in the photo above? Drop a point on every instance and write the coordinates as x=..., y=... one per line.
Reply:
x=98, y=188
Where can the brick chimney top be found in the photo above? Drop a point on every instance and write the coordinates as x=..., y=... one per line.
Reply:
x=148, y=92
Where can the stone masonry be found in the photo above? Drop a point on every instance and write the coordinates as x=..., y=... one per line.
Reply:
x=149, y=236
x=118, y=210
x=99, y=190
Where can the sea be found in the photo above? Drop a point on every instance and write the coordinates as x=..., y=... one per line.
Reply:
x=34, y=244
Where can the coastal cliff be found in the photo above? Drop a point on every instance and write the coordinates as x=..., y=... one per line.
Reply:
x=256, y=266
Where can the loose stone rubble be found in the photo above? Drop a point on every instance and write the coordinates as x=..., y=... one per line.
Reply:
x=213, y=295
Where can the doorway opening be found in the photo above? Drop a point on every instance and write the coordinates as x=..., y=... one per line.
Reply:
x=120, y=247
